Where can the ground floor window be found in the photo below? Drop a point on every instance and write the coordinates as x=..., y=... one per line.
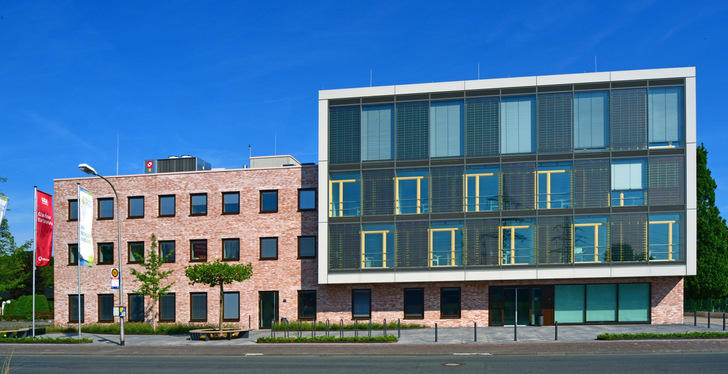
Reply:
x=306, y=304
x=136, y=307
x=198, y=306
x=106, y=308
x=450, y=302
x=601, y=303
x=73, y=308
x=231, y=309
x=167, y=308
x=414, y=303
x=361, y=303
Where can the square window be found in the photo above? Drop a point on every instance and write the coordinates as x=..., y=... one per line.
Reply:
x=136, y=307
x=269, y=201
x=628, y=182
x=106, y=208
x=167, y=206
x=414, y=303
x=306, y=247
x=361, y=303
x=167, y=308
x=198, y=250
x=198, y=204
x=106, y=308
x=269, y=248
x=167, y=249
x=306, y=304
x=450, y=302
x=136, y=207
x=231, y=308
x=73, y=210
x=73, y=254
x=231, y=249
x=106, y=253
x=198, y=304
x=230, y=202
x=73, y=309
x=136, y=252
x=307, y=199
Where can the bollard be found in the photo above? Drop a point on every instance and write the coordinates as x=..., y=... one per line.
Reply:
x=356, y=328
x=272, y=331
x=249, y=320
x=708, y=317
x=341, y=328
x=273, y=327
x=398, y=329
x=313, y=329
x=327, y=327
x=515, y=330
x=299, y=328
x=695, y=317
x=435, y=332
x=370, y=326
x=384, y=333
x=475, y=331
x=556, y=330
x=723, y=321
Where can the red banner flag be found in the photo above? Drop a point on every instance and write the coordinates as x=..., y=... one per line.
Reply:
x=44, y=229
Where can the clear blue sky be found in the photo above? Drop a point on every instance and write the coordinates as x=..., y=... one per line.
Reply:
x=207, y=78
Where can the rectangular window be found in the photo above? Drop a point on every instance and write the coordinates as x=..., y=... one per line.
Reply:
x=198, y=250
x=344, y=246
x=306, y=305
x=307, y=199
x=569, y=303
x=345, y=195
x=269, y=248
x=516, y=124
x=554, y=122
x=666, y=116
x=554, y=185
x=231, y=249
x=73, y=308
x=361, y=303
x=414, y=303
x=481, y=189
x=377, y=127
x=345, y=134
x=306, y=247
x=198, y=204
x=516, y=242
x=106, y=208
x=519, y=187
x=628, y=116
x=198, y=306
x=136, y=307
x=136, y=252
x=665, y=237
x=412, y=191
x=446, y=128
x=450, y=302
x=411, y=130
x=591, y=120
x=73, y=210
x=136, y=207
x=412, y=244
x=167, y=206
x=269, y=201
x=590, y=239
x=377, y=190
x=446, y=189
x=167, y=249
x=231, y=307
x=628, y=187
x=666, y=180
x=446, y=244
x=106, y=308
x=628, y=238
x=481, y=241
x=591, y=183
x=73, y=254
x=601, y=303
x=554, y=240
x=481, y=126
x=167, y=308
x=377, y=246
x=634, y=302
x=230, y=202
x=106, y=253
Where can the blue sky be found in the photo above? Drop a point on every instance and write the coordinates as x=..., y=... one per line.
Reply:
x=207, y=78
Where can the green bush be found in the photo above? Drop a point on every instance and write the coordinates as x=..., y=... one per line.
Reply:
x=359, y=325
x=132, y=328
x=672, y=335
x=331, y=339
x=26, y=317
x=46, y=340
x=24, y=305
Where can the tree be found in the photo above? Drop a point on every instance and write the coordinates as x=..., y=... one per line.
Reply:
x=711, y=280
x=151, y=279
x=218, y=274
x=12, y=260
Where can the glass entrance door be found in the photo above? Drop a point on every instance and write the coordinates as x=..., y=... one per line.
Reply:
x=516, y=299
x=268, y=308
x=505, y=301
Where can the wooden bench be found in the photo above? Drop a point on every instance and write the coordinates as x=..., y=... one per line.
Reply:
x=207, y=334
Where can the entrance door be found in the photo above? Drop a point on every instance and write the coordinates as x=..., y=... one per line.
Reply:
x=268, y=308
x=529, y=301
x=516, y=299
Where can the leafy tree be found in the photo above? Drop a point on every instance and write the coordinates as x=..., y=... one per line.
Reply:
x=151, y=279
x=218, y=274
x=12, y=260
x=711, y=280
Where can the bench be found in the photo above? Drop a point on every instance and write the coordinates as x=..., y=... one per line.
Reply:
x=20, y=333
x=207, y=334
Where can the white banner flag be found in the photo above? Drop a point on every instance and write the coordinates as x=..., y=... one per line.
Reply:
x=85, y=219
x=3, y=205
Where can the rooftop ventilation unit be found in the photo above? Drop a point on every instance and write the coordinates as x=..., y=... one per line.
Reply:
x=175, y=164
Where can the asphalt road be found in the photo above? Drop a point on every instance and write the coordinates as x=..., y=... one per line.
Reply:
x=703, y=363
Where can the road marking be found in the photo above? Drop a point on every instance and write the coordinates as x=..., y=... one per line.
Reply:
x=472, y=354
x=253, y=354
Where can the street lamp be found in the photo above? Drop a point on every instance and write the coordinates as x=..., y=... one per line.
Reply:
x=86, y=168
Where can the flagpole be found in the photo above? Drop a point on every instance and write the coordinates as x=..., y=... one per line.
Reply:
x=78, y=254
x=35, y=245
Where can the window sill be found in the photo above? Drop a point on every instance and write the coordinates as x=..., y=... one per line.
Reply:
x=229, y=213
x=165, y=215
x=135, y=217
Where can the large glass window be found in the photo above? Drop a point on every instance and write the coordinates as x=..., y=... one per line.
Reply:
x=516, y=242
x=591, y=183
x=167, y=308
x=628, y=237
x=411, y=128
x=446, y=189
x=377, y=246
x=345, y=134
x=231, y=306
x=628, y=119
x=634, y=302
x=106, y=253
x=73, y=308
x=628, y=182
x=231, y=249
x=269, y=201
x=591, y=119
x=516, y=124
x=412, y=191
x=167, y=206
x=198, y=306
x=345, y=194
x=666, y=116
x=666, y=180
x=601, y=302
x=412, y=244
x=554, y=122
x=569, y=303
x=377, y=127
x=344, y=246
x=198, y=250
x=554, y=185
x=230, y=202
x=414, y=303
x=450, y=302
x=198, y=204
x=307, y=304
x=481, y=126
x=136, y=307
x=554, y=240
x=519, y=186
x=590, y=239
x=136, y=207
x=361, y=303
x=307, y=199
x=106, y=208
x=377, y=192
x=106, y=308
x=481, y=188
x=167, y=249
x=269, y=248
x=446, y=128
x=446, y=244
x=665, y=237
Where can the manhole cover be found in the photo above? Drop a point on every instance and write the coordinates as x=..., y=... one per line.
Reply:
x=453, y=364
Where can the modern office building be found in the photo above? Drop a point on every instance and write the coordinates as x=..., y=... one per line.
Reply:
x=569, y=198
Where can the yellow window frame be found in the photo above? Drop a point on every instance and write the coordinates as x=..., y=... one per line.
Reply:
x=596, y=226
x=383, y=233
x=419, y=191
x=451, y=261
x=477, y=190
x=548, y=185
x=513, y=243
x=670, y=244
x=341, y=196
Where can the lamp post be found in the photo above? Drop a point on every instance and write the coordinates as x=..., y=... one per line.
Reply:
x=90, y=171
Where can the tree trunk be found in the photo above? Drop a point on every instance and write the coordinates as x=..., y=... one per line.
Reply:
x=155, y=313
x=222, y=304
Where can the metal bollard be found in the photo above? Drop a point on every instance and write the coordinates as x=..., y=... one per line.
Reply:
x=249, y=320
x=398, y=329
x=556, y=330
x=313, y=329
x=708, y=317
x=370, y=327
x=723, y=321
x=341, y=328
x=695, y=317
x=475, y=331
x=384, y=333
x=356, y=328
x=299, y=328
x=435, y=332
x=327, y=327
x=515, y=330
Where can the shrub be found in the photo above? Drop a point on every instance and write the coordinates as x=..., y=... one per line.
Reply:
x=46, y=340
x=331, y=339
x=132, y=328
x=26, y=317
x=672, y=335
x=359, y=325
x=24, y=305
